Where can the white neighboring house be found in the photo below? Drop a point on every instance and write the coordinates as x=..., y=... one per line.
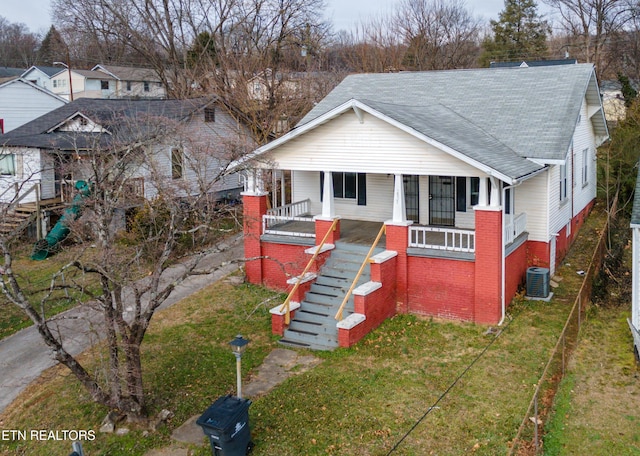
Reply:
x=85, y=84
x=134, y=82
x=41, y=75
x=22, y=101
x=197, y=139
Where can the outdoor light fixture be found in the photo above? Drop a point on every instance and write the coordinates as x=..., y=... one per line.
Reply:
x=238, y=346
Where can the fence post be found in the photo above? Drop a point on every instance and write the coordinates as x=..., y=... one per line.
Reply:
x=535, y=419
x=564, y=338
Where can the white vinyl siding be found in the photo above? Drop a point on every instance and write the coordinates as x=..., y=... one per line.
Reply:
x=306, y=184
x=373, y=147
x=584, y=139
x=528, y=199
x=22, y=103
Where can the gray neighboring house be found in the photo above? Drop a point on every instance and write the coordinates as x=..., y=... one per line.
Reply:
x=186, y=143
x=134, y=82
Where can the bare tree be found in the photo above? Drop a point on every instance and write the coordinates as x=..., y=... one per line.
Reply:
x=438, y=34
x=18, y=46
x=130, y=276
x=589, y=24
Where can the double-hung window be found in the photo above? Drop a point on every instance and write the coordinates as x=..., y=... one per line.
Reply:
x=348, y=186
x=177, y=163
x=585, y=167
x=7, y=165
x=563, y=182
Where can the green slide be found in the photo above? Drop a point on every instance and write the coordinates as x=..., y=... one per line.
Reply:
x=60, y=231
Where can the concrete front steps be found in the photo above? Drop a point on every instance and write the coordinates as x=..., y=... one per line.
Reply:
x=313, y=324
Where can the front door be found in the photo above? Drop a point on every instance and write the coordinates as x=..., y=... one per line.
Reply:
x=412, y=197
x=442, y=193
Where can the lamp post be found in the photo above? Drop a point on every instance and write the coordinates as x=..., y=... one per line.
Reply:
x=238, y=346
x=68, y=67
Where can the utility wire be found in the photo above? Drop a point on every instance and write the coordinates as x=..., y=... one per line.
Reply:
x=442, y=396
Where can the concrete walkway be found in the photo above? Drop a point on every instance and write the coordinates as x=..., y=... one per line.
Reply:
x=24, y=356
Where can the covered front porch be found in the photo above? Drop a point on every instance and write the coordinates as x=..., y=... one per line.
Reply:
x=443, y=221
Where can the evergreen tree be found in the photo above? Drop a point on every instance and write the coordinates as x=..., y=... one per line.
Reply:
x=628, y=92
x=203, y=50
x=52, y=49
x=520, y=34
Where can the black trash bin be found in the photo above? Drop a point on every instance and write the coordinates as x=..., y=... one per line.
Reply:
x=226, y=424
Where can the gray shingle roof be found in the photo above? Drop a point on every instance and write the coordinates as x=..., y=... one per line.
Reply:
x=497, y=116
x=116, y=115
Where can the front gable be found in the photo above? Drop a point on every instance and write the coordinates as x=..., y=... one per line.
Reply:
x=361, y=142
x=78, y=123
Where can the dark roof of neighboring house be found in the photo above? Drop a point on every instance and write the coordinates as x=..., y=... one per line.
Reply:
x=494, y=116
x=7, y=72
x=129, y=73
x=89, y=74
x=48, y=70
x=532, y=63
x=124, y=119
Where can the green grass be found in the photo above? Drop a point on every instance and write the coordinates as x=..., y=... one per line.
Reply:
x=357, y=401
x=35, y=278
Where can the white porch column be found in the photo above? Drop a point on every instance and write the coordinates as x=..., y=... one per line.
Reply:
x=399, y=205
x=495, y=192
x=255, y=183
x=482, y=194
x=328, y=204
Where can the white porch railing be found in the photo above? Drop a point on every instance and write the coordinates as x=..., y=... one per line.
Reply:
x=289, y=220
x=515, y=228
x=451, y=239
x=291, y=210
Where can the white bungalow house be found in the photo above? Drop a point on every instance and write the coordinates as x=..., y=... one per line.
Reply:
x=22, y=101
x=475, y=175
x=187, y=146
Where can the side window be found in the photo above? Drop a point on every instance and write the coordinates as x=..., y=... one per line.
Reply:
x=563, y=182
x=7, y=165
x=177, y=163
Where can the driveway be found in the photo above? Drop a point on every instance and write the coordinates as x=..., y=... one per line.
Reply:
x=24, y=356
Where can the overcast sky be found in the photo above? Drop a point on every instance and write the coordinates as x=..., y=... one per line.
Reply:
x=343, y=13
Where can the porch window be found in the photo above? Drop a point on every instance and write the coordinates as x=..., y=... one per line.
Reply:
x=104, y=85
x=467, y=189
x=145, y=86
x=348, y=186
x=7, y=165
x=177, y=158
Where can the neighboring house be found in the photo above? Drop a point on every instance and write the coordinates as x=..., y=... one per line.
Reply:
x=613, y=101
x=133, y=82
x=634, y=322
x=533, y=63
x=41, y=75
x=22, y=101
x=186, y=144
x=85, y=84
x=476, y=175
x=9, y=72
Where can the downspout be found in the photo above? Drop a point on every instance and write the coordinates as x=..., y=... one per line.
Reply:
x=503, y=259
